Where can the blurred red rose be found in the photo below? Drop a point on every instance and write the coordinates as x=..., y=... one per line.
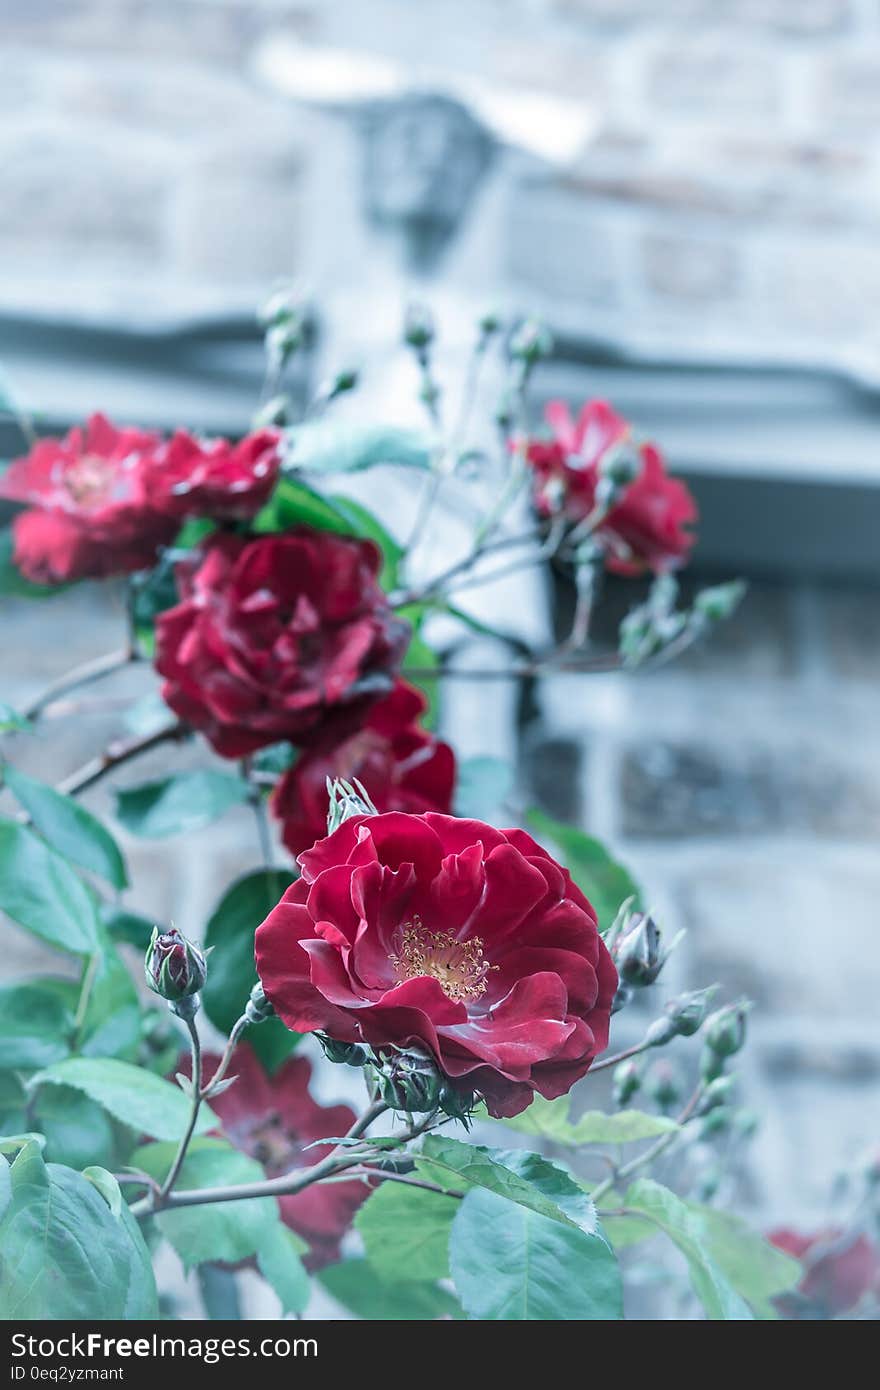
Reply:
x=401, y=766
x=90, y=514
x=839, y=1270
x=281, y=637
x=448, y=935
x=646, y=528
x=213, y=478
x=273, y=1119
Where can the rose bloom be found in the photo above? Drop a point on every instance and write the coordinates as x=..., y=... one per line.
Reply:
x=213, y=478
x=273, y=1119
x=835, y=1280
x=646, y=527
x=90, y=514
x=401, y=766
x=278, y=637
x=449, y=936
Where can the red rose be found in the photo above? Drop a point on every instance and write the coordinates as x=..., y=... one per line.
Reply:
x=273, y=1119
x=646, y=528
x=839, y=1270
x=277, y=638
x=89, y=514
x=214, y=478
x=444, y=934
x=402, y=767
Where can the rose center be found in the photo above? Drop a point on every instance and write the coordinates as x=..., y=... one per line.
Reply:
x=89, y=479
x=271, y=1144
x=458, y=966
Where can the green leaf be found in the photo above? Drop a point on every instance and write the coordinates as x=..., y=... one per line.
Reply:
x=36, y=1027
x=294, y=504
x=329, y=446
x=77, y=1129
x=550, y=1119
x=279, y=1261
x=482, y=786
x=226, y=1231
x=232, y=974
x=755, y=1268
x=106, y=1184
x=354, y=1284
x=69, y=828
x=144, y=1102
x=65, y=1255
x=174, y=805
x=40, y=891
x=671, y=1215
x=508, y=1263
x=363, y=523
x=605, y=882
x=111, y=1024
x=13, y=1104
x=11, y=722
x=127, y=926
x=522, y=1177
x=405, y=1231
x=12, y=583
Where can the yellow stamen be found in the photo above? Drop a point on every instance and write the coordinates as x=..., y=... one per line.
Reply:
x=458, y=966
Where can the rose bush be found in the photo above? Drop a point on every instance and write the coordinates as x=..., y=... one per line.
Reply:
x=402, y=766
x=469, y=942
x=646, y=527
x=449, y=963
x=278, y=637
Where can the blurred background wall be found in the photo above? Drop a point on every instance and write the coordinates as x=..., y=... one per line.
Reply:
x=688, y=193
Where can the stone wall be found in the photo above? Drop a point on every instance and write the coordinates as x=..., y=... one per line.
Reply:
x=725, y=200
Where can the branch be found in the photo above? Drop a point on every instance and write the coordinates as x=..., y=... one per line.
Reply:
x=436, y=584
x=196, y=1073
x=79, y=676
x=117, y=754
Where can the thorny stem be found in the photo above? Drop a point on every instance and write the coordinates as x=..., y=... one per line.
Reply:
x=340, y=1160
x=79, y=676
x=115, y=755
x=196, y=1074
x=621, y=1056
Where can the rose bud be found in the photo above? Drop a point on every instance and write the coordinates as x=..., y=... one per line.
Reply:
x=174, y=968
x=682, y=1018
x=718, y=1092
x=409, y=1081
x=663, y=1086
x=343, y=1053
x=418, y=327
x=726, y=1029
x=531, y=341
x=627, y=1080
x=636, y=951
x=258, y=1008
x=716, y=1122
x=346, y=799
